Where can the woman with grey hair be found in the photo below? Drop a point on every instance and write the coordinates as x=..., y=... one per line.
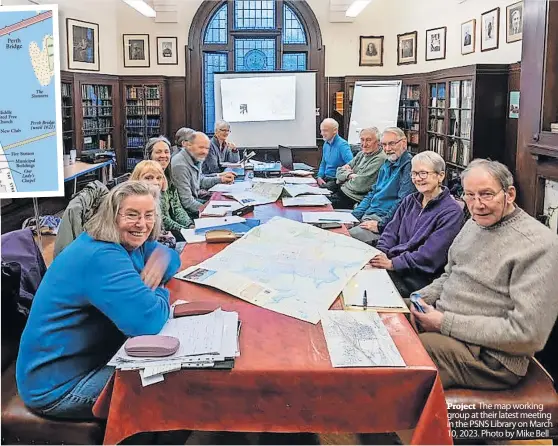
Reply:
x=108, y=284
x=416, y=241
x=221, y=150
x=175, y=218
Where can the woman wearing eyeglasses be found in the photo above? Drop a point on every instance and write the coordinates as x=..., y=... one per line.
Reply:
x=108, y=284
x=415, y=242
x=221, y=150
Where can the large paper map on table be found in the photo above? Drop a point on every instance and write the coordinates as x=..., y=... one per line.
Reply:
x=289, y=267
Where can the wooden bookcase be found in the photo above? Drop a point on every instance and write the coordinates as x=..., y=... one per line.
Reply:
x=68, y=120
x=409, y=115
x=143, y=115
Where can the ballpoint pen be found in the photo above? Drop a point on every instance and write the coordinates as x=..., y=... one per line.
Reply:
x=329, y=219
x=365, y=300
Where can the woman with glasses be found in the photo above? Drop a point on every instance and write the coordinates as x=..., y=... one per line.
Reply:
x=175, y=217
x=108, y=284
x=221, y=150
x=415, y=242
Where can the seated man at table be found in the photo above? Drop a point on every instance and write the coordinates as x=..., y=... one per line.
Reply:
x=358, y=176
x=495, y=305
x=335, y=153
x=221, y=150
x=393, y=184
x=415, y=242
x=187, y=175
x=183, y=135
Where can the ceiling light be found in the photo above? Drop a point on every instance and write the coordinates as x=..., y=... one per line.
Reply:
x=357, y=7
x=141, y=7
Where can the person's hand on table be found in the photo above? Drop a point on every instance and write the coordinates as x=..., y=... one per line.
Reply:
x=381, y=261
x=155, y=267
x=430, y=320
x=370, y=225
x=227, y=177
x=320, y=182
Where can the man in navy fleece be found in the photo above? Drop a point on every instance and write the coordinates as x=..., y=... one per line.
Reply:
x=106, y=285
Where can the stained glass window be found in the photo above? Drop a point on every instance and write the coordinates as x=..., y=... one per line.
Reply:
x=216, y=31
x=213, y=62
x=293, y=32
x=254, y=54
x=294, y=61
x=254, y=14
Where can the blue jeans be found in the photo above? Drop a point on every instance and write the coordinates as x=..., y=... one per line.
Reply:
x=78, y=402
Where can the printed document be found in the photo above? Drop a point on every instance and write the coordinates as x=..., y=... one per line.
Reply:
x=219, y=208
x=304, y=189
x=328, y=217
x=380, y=291
x=306, y=200
x=261, y=193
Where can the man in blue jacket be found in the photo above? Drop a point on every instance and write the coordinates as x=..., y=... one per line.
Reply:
x=393, y=184
x=335, y=153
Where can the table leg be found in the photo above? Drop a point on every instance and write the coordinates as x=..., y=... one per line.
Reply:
x=38, y=224
x=75, y=185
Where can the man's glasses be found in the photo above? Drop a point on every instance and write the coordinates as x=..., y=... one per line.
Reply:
x=423, y=175
x=133, y=217
x=391, y=144
x=482, y=196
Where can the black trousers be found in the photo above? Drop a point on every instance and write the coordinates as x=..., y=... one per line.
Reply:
x=340, y=201
x=409, y=282
x=331, y=184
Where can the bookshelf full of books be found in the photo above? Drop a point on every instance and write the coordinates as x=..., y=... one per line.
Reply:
x=460, y=113
x=67, y=116
x=143, y=110
x=97, y=113
x=436, y=131
x=409, y=115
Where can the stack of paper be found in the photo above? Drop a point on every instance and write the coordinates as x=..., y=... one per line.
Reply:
x=328, y=217
x=306, y=200
x=304, y=189
x=219, y=208
x=206, y=341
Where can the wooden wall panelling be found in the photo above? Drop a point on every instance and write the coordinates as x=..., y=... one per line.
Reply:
x=512, y=124
x=176, y=106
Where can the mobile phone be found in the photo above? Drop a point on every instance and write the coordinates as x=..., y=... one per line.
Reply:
x=416, y=303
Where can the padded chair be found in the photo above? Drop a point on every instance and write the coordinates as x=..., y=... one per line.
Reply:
x=536, y=388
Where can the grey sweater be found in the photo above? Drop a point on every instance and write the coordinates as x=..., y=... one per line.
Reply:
x=498, y=290
x=188, y=179
x=366, y=167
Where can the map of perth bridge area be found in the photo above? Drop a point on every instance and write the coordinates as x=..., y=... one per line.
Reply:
x=30, y=112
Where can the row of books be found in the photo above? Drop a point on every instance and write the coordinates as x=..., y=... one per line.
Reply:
x=437, y=144
x=460, y=152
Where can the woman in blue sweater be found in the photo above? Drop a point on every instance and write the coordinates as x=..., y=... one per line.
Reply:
x=416, y=241
x=105, y=286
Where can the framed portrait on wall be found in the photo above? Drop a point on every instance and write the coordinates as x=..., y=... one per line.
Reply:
x=490, y=29
x=83, y=45
x=468, y=36
x=371, y=51
x=167, y=51
x=407, y=48
x=514, y=22
x=435, y=43
x=136, y=50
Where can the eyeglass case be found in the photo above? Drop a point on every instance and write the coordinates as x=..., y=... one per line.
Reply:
x=193, y=309
x=151, y=346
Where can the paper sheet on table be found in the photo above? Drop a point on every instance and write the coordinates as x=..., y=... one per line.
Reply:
x=261, y=193
x=328, y=217
x=191, y=237
x=210, y=222
x=268, y=180
x=306, y=200
x=147, y=381
x=299, y=180
x=304, y=189
x=230, y=188
x=380, y=291
x=219, y=208
x=301, y=173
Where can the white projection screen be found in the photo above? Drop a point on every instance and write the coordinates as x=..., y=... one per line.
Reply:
x=248, y=99
x=247, y=131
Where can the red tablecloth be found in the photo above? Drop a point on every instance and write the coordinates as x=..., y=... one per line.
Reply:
x=283, y=381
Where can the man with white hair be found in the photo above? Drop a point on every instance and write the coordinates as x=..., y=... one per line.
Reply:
x=394, y=183
x=187, y=175
x=221, y=150
x=495, y=305
x=336, y=152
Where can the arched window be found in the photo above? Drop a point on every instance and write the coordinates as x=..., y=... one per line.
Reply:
x=247, y=35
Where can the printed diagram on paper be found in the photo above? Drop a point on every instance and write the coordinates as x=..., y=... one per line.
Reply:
x=359, y=340
x=30, y=109
x=307, y=267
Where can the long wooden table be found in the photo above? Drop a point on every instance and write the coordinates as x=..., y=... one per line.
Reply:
x=283, y=381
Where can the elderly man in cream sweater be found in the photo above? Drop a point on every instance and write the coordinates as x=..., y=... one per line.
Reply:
x=495, y=305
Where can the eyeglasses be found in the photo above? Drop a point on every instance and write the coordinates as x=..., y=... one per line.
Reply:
x=391, y=144
x=133, y=217
x=423, y=175
x=482, y=196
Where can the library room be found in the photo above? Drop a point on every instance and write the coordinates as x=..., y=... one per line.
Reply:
x=386, y=170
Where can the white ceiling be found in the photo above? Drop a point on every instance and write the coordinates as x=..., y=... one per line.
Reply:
x=337, y=9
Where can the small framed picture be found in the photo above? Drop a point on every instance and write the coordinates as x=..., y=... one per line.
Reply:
x=490, y=29
x=371, y=51
x=167, y=51
x=83, y=45
x=136, y=50
x=514, y=22
x=468, y=36
x=407, y=48
x=436, y=43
